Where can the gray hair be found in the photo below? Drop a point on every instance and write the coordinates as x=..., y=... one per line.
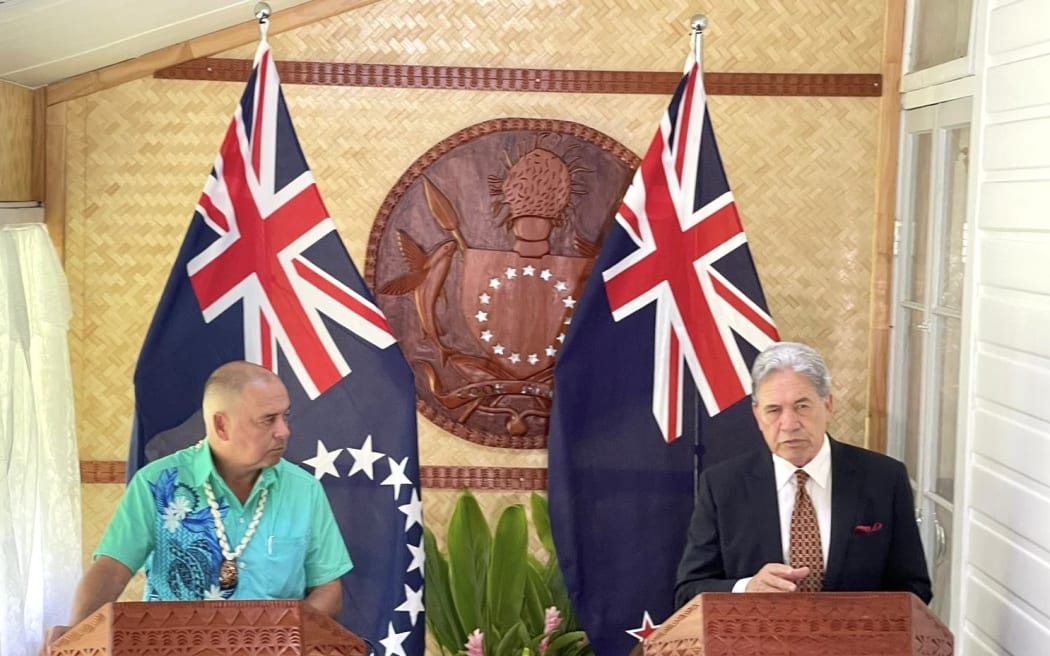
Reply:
x=792, y=356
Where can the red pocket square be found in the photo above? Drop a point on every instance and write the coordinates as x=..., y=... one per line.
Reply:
x=863, y=529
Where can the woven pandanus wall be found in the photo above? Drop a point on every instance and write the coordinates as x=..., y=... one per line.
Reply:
x=802, y=169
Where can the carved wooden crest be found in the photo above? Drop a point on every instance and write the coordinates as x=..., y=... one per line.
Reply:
x=478, y=257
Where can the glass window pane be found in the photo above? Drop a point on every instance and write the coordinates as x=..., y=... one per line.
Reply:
x=942, y=564
x=957, y=156
x=919, y=217
x=948, y=390
x=912, y=394
x=940, y=32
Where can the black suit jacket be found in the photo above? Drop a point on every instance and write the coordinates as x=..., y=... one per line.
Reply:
x=735, y=527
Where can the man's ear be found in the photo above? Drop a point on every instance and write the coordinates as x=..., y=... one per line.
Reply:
x=829, y=405
x=220, y=424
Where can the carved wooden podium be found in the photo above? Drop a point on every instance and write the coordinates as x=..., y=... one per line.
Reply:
x=208, y=628
x=802, y=624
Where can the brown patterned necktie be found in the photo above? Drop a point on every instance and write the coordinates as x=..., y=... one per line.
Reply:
x=805, y=538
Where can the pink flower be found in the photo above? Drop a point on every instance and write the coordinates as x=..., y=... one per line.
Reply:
x=551, y=620
x=475, y=643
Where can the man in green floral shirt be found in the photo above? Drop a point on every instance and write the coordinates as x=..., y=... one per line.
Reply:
x=227, y=518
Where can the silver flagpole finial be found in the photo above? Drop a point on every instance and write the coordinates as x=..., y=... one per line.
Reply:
x=698, y=23
x=262, y=12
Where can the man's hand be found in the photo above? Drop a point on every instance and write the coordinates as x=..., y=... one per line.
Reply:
x=327, y=597
x=776, y=577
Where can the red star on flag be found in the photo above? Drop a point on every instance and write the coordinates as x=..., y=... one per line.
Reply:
x=645, y=630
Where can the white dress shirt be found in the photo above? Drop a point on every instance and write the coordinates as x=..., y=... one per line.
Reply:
x=818, y=487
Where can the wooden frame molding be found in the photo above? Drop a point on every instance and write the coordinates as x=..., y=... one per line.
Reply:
x=470, y=78
x=95, y=472
x=885, y=217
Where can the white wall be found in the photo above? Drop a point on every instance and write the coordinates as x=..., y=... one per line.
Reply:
x=1004, y=605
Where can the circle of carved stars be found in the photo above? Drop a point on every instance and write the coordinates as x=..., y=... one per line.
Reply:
x=507, y=279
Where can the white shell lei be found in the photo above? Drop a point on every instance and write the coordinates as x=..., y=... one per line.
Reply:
x=220, y=530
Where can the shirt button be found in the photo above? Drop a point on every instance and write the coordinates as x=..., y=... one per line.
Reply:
x=242, y=520
x=241, y=563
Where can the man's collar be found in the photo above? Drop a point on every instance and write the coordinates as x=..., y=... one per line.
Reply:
x=203, y=466
x=819, y=468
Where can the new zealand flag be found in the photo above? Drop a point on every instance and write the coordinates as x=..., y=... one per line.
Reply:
x=653, y=380
x=263, y=276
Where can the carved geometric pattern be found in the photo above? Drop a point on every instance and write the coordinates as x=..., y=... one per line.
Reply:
x=431, y=476
x=246, y=628
x=802, y=624
x=472, y=78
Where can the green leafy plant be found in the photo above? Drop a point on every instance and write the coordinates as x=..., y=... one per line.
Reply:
x=488, y=596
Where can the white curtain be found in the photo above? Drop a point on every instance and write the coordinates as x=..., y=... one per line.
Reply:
x=40, y=552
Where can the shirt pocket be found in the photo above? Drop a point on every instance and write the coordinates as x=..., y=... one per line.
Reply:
x=286, y=567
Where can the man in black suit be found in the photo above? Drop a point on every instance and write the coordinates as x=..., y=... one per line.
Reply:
x=740, y=533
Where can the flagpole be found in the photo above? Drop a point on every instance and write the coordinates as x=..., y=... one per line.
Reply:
x=697, y=24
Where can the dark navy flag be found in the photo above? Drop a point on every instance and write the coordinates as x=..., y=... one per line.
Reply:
x=263, y=276
x=653, y=380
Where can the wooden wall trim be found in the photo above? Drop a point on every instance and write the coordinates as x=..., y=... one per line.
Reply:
x=203, y=46
x=55, y=177
x=469, y=78
x=39, y=153
x=93, y=472
x=885, y=217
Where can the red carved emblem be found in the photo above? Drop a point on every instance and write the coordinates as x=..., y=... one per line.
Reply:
x=478, y=257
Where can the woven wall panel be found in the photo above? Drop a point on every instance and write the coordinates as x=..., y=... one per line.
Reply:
x=786, y=36
x=802, y=172
x=16, y=142
x=801, y=169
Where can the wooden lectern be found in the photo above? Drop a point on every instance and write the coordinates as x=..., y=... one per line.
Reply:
x=208, y=628
x=802, y=624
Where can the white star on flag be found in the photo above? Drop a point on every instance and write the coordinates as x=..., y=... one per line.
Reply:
x=413, y=603
x=394, y=641
x=324, y=462
x=511, y=273
x=515, y=358
x=494, y=283
x=569, y=302
x=413, y=511
x=528, y=270
x=397, y=476
x=364, y=459
x=486, y=335
x=498, y=349
x=546, y=274
x=418, y=557
x=484, y=299
x=482, y=316
x=551, y=351
x=561, y=286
